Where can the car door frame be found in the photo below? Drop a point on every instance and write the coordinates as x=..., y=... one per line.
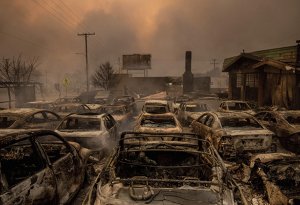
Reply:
x=63, y=190
x=32, y=180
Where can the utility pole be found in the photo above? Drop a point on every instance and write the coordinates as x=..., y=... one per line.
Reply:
x=214, y=62
x=86, y=58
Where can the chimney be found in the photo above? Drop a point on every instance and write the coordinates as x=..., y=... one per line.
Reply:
x=188, y=78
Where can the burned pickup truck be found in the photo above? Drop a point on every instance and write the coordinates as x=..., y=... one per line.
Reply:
x=39, y=167
x=234, y=134
x=183, y=171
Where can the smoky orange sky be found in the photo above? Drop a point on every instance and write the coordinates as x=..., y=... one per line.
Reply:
x=164, y=28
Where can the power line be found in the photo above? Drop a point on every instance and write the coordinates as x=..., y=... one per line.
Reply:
x=26, y=41
x=55, y=14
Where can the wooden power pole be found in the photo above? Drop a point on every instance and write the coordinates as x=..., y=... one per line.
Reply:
x=86, y=58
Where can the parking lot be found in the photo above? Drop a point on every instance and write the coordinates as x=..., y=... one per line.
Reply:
x=260, y=166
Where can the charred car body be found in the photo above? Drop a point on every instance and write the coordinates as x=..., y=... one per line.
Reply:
x=67, y=100
x=285, y=125
x=187, y=110
x=126, y=100
x=28, y=118
x=186, y=171
x=39, y=167
x=48, y=105
x=270, y=178
x=97, y=132
x=68, y=108
x=158, y=123
x=119, y=112
x=156, y=107
x=236, y=106
x=233, y=133
x=178, y=100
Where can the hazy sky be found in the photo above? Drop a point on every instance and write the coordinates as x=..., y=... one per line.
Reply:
x=164, y=28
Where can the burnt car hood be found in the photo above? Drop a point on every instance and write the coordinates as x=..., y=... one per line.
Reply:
x=81, y=134
x=249, y=132
x=270, y=157
x=166, y=196
x=159, y=129
x=293, y=129
x=94, y=140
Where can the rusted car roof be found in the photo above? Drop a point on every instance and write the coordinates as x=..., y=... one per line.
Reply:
x=87, y=115
x=163, y=102
x=231, y=114
x=20, y=112
x=8, y=136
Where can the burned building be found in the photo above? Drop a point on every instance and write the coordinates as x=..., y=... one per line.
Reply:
x=268, y=77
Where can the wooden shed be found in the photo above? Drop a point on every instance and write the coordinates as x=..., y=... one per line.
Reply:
x=268, y=77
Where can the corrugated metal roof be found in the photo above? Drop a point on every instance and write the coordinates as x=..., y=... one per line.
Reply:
x=284, y=54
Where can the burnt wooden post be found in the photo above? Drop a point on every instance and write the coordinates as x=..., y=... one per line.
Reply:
x=261, y=88
x=243, y=87
x=9, y=97
x=230, y=82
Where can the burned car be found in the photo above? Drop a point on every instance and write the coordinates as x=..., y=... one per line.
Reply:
x=178, y=100
x=126, y=100
x=28, y=118
x=158, y=123
x=39, y=167
x=119, y=112
x=236, y=106
x=271, y=178
x=156, y=107
x=186, y=111
x=185, y=171
x=67, y=100
x=68, y=108
x=285, y=125
x=97, y=132
x=233, y=133
x=48, y=105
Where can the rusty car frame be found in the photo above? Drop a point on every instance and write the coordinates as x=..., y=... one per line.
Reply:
x=233, y=134
x=29, y=118
x=183, y=171
x=97, y=132
x=39, y=167
x=187, y=111
x=285, y=125
x=158, y=123
x=156, y=107
x=236, y=106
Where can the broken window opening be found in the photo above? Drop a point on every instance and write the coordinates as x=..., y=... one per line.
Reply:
x=53, y=147
x=158, y=122
x=239, y=123
x=7, y=121
x=19, y=162
x=79, y=124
